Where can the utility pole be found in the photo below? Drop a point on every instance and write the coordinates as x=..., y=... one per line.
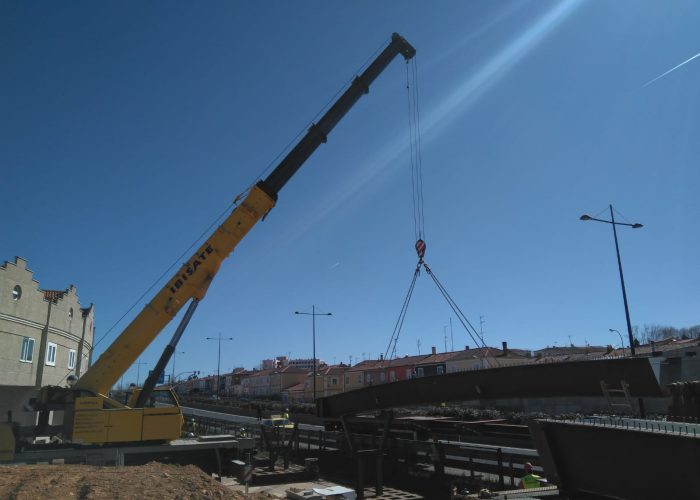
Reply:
x=313, y=315
x=218, y=366
x=452, y=337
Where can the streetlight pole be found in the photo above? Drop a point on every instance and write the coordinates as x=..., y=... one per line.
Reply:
x=138, y=370
x=218, y=365
x=313, y=315
x=613, y=223
x=172, y=377
x=622, y=344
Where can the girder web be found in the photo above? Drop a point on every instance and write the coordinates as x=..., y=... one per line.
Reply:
x=416, y=162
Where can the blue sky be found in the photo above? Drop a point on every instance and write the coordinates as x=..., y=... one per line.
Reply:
x=127, y=127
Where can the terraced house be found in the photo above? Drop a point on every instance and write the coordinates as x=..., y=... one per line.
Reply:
x=45, y=335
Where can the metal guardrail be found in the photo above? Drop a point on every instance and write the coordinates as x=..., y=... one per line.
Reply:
x=659, y=426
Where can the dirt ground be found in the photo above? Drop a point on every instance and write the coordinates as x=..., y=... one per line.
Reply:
x=83, y=482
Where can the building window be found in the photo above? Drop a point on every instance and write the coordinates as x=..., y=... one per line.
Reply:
x=382, y=377
x=359, y=378
x=392, y=376
x=419, y=372
x=347, y=379
x=27, y=354
x=71, y=359
x=408, y=373
x=334, y=381
x=368, y=378
x=16, y=293
x=440, y=370
x=51, y=354
x=70, y=313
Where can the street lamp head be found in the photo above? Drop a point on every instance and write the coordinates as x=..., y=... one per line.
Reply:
x=329, y=314
x=297, y=312
x=585, y=217
x=637, y=225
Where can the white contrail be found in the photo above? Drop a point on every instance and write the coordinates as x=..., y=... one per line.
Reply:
x=670, y=70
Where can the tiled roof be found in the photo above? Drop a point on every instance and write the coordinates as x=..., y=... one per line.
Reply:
x=440, y=357
x=289, y=369
x=405, y=361
x=475, y=353
x=660, y=346
x=53, y=295
x=364, y=365
x=333, y=370
x=295, y=388
x=569, y=350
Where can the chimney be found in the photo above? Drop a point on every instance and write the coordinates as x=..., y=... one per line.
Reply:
x=381, y=357
x=434, y=351
x=466, y=347
x=505, y=347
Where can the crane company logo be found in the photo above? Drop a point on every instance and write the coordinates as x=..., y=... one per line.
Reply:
x=190, y=268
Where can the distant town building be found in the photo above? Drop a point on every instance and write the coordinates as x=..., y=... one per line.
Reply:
x=278, y=362
x=306, y=364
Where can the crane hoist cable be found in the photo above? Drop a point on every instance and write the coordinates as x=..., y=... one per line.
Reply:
x=402, y=316
x=416, y=162
x=415, y=154
x=476, y=337
x=478, y=340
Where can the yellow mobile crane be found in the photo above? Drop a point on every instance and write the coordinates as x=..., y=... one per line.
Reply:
x=90, y=416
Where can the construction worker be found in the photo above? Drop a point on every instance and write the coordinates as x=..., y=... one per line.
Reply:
x=285, y=415
x=529, y=480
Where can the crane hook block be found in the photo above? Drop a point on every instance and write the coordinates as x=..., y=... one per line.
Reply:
x=420, y=249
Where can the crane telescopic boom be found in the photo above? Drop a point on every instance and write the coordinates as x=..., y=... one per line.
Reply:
x=194, y=277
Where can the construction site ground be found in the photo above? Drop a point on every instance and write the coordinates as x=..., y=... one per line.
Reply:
x=83, y=482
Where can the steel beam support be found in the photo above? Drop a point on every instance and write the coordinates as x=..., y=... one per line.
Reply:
x=570, y=379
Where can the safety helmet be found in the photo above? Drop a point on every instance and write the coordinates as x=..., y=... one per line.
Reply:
x=528, y=466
